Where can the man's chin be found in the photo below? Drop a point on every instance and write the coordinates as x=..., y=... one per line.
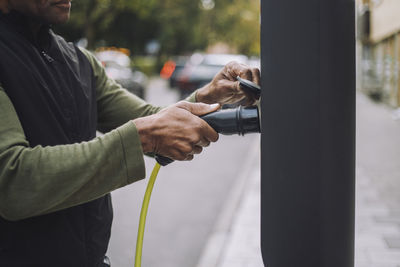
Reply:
x=58, y=19
x=54, y=14
x=62, y=20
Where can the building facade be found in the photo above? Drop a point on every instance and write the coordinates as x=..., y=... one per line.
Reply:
x=378, y=49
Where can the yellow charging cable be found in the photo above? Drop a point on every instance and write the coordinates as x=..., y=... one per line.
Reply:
x=143, y=214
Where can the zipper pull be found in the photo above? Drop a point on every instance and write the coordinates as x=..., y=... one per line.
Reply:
x=47, y=57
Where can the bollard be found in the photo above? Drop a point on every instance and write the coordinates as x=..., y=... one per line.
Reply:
x=308, y=141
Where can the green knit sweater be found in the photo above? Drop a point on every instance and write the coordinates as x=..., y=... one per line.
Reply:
x=39, y=180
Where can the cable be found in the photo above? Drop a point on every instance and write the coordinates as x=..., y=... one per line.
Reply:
x=143, y=214
x=240, y=121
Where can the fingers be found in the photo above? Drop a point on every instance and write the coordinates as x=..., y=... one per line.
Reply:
x=235, y=69
x=186, y=154
x=203, y=143
x=179, y=133
x=248, y=100
x=245, y=72
x=200, y=138
x=189, y=157
x=256, y=75
x=198, y=109
x=197, y=150
x=225, y=89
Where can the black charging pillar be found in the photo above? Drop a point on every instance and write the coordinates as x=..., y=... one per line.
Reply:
x=308, y=133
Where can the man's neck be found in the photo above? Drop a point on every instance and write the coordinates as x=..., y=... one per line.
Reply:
x=34, y=26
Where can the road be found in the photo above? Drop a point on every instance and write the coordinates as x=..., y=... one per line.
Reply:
x=186, y=201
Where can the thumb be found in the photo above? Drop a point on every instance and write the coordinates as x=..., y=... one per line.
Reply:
x=199, y=109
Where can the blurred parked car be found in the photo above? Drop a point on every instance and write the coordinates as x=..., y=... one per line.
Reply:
x=180, y=63
x=201, y=69
x=118, y=67
x=172, y=69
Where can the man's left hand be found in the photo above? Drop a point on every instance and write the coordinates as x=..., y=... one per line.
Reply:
x=225, y=89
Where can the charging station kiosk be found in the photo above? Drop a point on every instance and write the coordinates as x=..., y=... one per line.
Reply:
x=308, y=136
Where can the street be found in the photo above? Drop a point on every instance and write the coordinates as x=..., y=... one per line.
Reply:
x=185, y=204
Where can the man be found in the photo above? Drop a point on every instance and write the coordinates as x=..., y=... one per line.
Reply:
x=55, y=175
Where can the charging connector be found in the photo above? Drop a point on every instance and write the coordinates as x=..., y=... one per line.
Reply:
x=241, y=120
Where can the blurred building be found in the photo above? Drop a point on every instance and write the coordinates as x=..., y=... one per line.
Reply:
x=378, y=47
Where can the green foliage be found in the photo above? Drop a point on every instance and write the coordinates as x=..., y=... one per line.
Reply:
x=236, y=22
x=180, y=26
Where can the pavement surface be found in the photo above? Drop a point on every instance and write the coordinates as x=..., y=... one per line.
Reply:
x=378, y=185
x=235, y=240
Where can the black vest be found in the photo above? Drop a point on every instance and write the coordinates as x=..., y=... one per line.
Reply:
x=51, y=85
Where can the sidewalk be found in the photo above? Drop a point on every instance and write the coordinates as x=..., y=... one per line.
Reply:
x=378, y=186
x=235, y=241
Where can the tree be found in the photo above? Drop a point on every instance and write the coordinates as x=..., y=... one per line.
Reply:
x=91, y=17
x=180, y=26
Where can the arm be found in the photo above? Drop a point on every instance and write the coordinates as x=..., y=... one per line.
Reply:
x=167, y=133
x=115, y=105
x=39, y=180
x=225, y=89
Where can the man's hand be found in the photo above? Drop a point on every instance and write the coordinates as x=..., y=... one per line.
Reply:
x=177, y=132
x=225, y=89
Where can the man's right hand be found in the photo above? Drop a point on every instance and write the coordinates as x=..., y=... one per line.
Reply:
x=177, y=132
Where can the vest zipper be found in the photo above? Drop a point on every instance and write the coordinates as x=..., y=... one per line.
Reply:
x=47, y=57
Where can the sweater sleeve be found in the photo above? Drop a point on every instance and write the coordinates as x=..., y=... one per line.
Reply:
x=115, y=105
x=39, y=180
